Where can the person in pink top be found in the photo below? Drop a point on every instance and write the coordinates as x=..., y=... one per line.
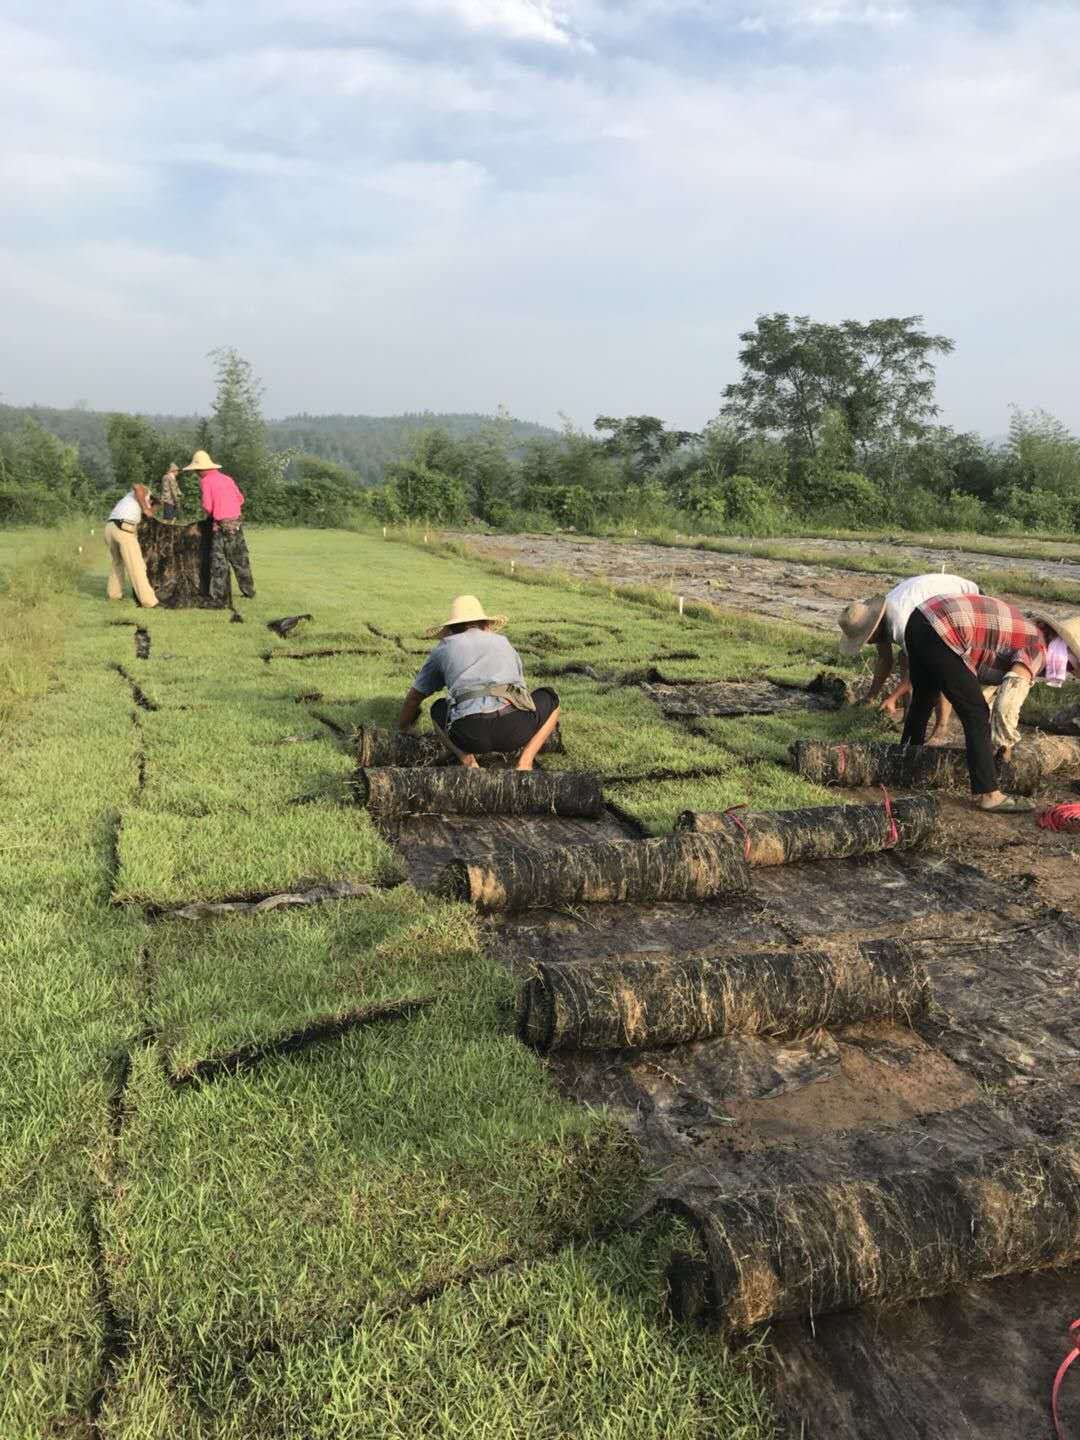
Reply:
x=223, y=501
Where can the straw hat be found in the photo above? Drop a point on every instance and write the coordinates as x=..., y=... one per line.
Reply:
x=858, y=623
x=465, y=610
x=201, y=461
x=1069, y=630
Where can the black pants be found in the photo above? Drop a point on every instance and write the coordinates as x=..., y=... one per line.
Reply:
x=168, y=511
x=937, y=670
x=502, y=730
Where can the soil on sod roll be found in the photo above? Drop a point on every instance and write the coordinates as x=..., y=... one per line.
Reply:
x=377, y=747
x=460, y=791
x=808, y=1250
x=1033, y=764
x=177, y=557
x=821, y=832
x=643, y=1001
x=676, y=867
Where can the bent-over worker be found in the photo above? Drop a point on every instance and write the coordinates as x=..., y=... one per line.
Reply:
x=954, y=643
x=488, y=707
x=170, y=492
x=223, y=501
x=125, y=552
x=882, y=622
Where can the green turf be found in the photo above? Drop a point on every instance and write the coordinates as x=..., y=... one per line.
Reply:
x=567, y=1347
x=170, y=859
x=246, y=980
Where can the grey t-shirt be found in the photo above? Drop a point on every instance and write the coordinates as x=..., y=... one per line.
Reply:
x=471, y=658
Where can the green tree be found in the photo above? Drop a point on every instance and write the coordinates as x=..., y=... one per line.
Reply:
x=878, y=374
x=640, y=442
x=238, y=433
x=41, y=478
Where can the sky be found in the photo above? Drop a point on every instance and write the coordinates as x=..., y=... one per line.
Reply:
x=560, y=206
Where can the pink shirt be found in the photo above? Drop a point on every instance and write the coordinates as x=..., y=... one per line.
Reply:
x=222, y=498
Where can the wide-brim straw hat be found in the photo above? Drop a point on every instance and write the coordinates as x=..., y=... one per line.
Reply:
x=1068, y=628
x=201, y=461
x=466, y=610
x=858, y=623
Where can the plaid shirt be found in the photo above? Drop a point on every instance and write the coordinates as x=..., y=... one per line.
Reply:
x=989, y=635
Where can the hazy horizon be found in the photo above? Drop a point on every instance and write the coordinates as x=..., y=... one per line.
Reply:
x=450, y=205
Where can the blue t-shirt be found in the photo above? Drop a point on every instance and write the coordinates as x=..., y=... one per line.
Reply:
x=470, y=658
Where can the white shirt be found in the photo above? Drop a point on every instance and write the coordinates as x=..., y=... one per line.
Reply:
x=906, y=597
x=127, y=509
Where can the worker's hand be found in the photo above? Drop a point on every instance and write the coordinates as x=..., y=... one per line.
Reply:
x=1005, y=715
x=1004, y=754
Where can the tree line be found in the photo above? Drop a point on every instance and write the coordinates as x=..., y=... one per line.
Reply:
x=827, y=426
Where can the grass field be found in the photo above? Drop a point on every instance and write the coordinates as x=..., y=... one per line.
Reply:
x=385, y=1222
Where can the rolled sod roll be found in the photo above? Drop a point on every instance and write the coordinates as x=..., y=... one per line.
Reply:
x=378, y=747
x=810, y=1249
x=675, y=867
x=458, y=791
x=1033, y=764
x=643, y=1001
x=820, y=832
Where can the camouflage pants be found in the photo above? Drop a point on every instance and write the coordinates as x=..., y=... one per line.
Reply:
x=228, y=547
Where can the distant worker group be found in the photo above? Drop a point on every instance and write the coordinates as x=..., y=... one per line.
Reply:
x=223, y=503
x=958, y=648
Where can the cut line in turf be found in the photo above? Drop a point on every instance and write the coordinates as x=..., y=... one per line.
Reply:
x=138, y=694
x=329, y=1027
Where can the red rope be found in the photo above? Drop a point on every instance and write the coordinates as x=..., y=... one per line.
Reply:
x=894, y=833
x=731, y=815
x=841, y=761
x=1061, y=817
x=1074, y=1329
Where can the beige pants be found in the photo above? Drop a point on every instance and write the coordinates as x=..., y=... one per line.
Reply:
x=127, y=558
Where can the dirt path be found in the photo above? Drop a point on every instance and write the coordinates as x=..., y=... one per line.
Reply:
x=785, y=590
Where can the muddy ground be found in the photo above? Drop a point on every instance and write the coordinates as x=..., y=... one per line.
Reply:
x=807, y=594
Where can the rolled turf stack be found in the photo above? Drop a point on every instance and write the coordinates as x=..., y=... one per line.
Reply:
x=1033, y=764
x=673, y=868
x=804, y=1250
x=392, y=793
x=177, y=558
x=644, y=1001
x=378, y=747
x=820, y=832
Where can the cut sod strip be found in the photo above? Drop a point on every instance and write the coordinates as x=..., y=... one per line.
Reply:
x=658, y=804
x=230, y=992
x=569, y=1346
x=281, y=1204
x=168, y=860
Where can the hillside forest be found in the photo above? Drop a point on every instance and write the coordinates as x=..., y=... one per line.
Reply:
x=828, y=426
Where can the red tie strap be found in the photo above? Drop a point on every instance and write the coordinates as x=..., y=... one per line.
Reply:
x=841, y=761
x=1074, y=1329
x=1061, y=817
x=737, y=820
x=894, y=833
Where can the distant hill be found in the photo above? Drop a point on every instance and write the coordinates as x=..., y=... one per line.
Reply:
x=364, y=444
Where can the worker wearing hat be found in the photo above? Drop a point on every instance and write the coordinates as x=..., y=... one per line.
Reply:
x=488, y=707
x=882, y=621
x=223, y=501
x=170, y=492
x=958, y=643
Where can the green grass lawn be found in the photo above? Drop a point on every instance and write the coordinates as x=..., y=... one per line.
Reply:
x=391, y=1228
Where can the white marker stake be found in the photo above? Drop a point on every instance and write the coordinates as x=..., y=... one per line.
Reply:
x=680, y=604
x=384, y=532
x=511, y=567
x=425, y=539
